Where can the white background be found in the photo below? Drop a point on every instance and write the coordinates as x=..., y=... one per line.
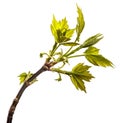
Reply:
x=25, y=32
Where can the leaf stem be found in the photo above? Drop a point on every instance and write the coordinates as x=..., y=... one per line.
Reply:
x=55, y=47
x=70, y=48
x=73, y=51
x=61, y=71
x=76, y=56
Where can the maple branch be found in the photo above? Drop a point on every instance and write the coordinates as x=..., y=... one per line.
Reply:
x=80, y=72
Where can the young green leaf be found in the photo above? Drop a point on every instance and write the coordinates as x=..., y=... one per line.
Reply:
x=80, y=23
x=80, y=74
x=92, y=51
x=93, y=56
x=24, y=76
x=53, y=28
x=60, y=30
x=82, y=71
x=92, y=40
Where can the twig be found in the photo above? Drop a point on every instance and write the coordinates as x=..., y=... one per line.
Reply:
x=27, y=83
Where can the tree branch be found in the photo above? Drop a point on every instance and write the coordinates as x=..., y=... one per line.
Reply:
x=27, y=83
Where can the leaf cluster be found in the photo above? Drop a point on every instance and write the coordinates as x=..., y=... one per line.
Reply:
x=63, y=34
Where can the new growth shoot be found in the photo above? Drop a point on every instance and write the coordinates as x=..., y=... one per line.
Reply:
x=80, y=73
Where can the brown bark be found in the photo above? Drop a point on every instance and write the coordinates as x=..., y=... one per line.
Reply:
x=27, y=83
